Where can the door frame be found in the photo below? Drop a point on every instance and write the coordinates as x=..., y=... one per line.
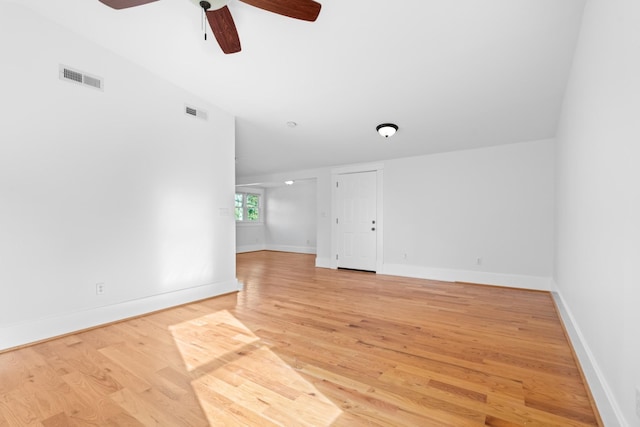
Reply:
x=378, y=168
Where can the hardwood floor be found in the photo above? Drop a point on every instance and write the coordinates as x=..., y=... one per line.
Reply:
x=310, y=347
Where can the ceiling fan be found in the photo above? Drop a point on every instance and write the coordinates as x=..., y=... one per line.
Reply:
x=221, y=21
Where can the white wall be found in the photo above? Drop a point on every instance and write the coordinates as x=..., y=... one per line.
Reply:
x=322, y=180
x=324, y=221
x=289, y=214
x=598, y=199
x=445, y=211
x=119, y=187
x=291, y=217
x=251, y=236
x=442, y=212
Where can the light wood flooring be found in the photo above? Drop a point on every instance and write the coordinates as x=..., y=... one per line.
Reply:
x=301, y=346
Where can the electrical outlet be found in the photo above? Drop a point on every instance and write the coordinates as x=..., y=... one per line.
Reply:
x=100, y=288
x=478, y=261
x=404, y=256
x=638, y=401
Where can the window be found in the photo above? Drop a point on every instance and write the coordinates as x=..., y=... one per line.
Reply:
x=247, y=207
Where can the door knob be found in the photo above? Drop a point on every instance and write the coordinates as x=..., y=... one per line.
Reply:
x=373, y=229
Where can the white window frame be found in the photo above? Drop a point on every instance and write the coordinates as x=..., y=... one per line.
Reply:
x=254, y=192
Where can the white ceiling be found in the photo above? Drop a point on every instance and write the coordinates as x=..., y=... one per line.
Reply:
x=452, y=74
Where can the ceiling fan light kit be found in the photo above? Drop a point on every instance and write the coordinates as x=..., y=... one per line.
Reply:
x=387, y=129
x=221, y=21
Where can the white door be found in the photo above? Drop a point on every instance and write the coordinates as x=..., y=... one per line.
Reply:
x=356, y=221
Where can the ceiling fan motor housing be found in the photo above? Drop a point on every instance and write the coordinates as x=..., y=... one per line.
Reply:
x=211, y=4
x=221, y=22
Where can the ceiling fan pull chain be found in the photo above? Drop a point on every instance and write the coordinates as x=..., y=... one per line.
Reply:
x=203, y=23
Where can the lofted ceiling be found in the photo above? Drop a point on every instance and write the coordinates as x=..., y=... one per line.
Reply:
x=452, y=74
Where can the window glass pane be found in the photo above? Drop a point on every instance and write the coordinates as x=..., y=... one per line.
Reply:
x=253, y=214
x=239, y=211
x=253, y=200
x=247, y=207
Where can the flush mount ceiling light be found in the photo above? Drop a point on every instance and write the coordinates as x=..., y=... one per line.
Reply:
x=387, y=129
x=289, y=182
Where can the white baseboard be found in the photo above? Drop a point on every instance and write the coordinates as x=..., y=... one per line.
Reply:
x=279, y=248
x=65, y=323
x=608, y=407
x=250, y=248
x=323, y=262
x=296, y=249
x=539, y=283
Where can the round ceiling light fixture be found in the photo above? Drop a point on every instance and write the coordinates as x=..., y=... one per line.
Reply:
x=387, y=129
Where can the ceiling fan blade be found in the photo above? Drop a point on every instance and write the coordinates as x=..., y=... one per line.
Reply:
x=223, y=27
x=307, y=10
x=123, y=4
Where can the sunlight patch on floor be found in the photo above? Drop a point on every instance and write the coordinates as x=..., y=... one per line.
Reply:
x=240, y=381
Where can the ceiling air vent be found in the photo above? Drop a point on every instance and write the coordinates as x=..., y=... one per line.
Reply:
x=79, y=77
x=192, y=111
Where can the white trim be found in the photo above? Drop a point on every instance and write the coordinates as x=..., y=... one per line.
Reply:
x=295, y=249
x=539, y=283
x=363, y=167
x=379, y=219
x=323, y=262
x=608, y=407
x=44, y=328
x=378, y=168
x=250, y=248
x=279, y=248
x=250, y=223
x=254, y=191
